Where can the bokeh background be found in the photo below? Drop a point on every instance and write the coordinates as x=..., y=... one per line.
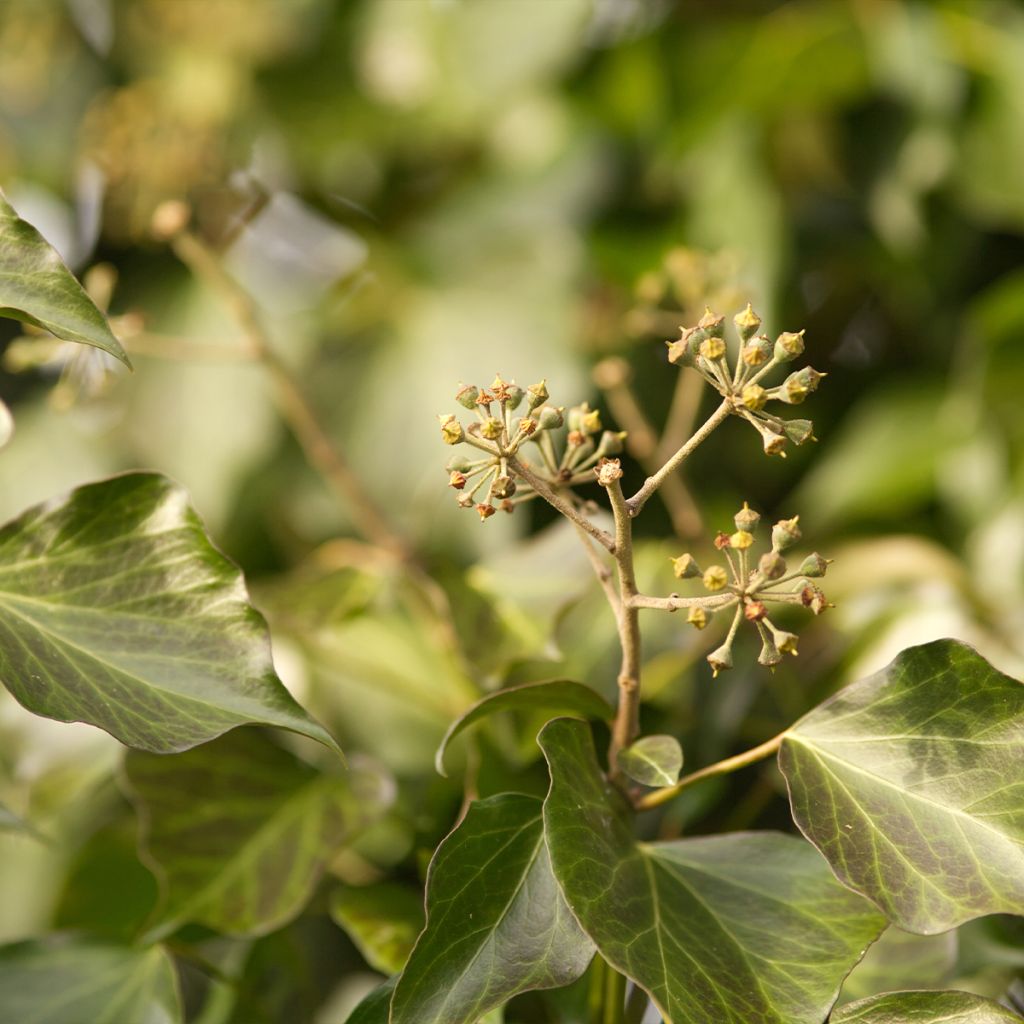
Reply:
x=421, y=192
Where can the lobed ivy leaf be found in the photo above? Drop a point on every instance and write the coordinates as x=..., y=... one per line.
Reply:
x=37, y=288
x=924, y=1008
x=238, y=831
x=747, y=928
x=382, y=920
x=57, y=982
x=911, y=783
x=496, y=922
x=117, y=610
x=653, y=760
x=560, y=697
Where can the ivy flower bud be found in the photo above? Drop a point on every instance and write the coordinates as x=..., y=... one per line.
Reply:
x=788, y=346
x=754, y=397
x=714, y=578
x=741, y=540
x=467, y=395
x=550, y=418
x=771, y=565
x=611, y=442
x=720, y=660
x=608, y=471
x=486, y=511
x=770, y=655
x=747, y=323
x=799, y=431
x=757, y=351
x=712, y=323
x=451, y=429
x=457, y=480
x=712, y=349
x=746, y=519
x=754, y=611
x=504, y=487
x=785, y=533
x=590, y=423
x=459, y=464
x=698, y=618
x=684, y=567
x=814, y=599
x=491, y=428
x=814, y=565
x=537, y=395
x=513, y=396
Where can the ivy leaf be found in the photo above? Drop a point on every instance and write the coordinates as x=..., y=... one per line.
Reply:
x=747, y=928
x=116, y=610
x=924, y=1008
x=382, y=920
x=36, y=288
x=653, y=760
x=238, y=831
x=51, y=982
x=374, y=1007
x=496, y=921
x=911, y=783
x=560, y=697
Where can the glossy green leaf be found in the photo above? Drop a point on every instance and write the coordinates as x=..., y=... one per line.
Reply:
x=924, y=1008
x=653, y=760
x=37, y=288
x=375, y=1006
x=382, y=920
x=51, y=982
x=238, y=831
x=746, y=928
x=116, y=610
x=911, y=783
x=496, y=921
x=560, y=697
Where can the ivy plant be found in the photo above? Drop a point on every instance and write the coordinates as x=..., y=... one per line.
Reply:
x=117, y=610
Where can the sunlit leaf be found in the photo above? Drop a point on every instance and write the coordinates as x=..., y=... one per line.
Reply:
x=653, y=760
x=382, y=920
x=924, y=1008
x=496, y=922
x=116, y=610
x=911, y=783
x=560, y=697
x=238, y=831
x=37, y=288
x=71, y=983
x=746, y=928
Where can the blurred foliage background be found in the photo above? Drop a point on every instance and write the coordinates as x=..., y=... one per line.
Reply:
x=419, y=192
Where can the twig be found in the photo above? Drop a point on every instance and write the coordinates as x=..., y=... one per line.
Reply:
x=601, y=571
x=674, y=602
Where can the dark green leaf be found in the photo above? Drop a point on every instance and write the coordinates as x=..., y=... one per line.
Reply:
x=37, y=288
x=924, y=1008
x=496, y=922
x=560, y=697
x=238, y=830
x=116, y=610
x=653, y=760
x=69, y=983
x=383, y=921
x=911, y=783
x=375, y=1006
x=747, y=928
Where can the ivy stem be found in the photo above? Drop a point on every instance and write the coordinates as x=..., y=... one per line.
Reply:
x=627, y=717
x=730, y=764
x=652, y=483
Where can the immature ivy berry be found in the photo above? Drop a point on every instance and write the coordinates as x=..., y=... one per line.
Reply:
x=537, y=395
x=590, y=423
x=754, y=397
x=451, y=430
x=785, y=533
x=809, y=378
x=786, y=642
x=504, y=487
x=788, y=346
x=513, y=396
x=771, y=565
x=550, y=418
x=770, y=655
x=467, y=395
x=611, y=442
x=747, y=323
x=799, y=431
x=491, y=428
x=814, y=599
x=772, y=441
x=757, y=351
x=714, y=578
x=741, y=540
x=457, y=480
x=720, y=660
x=685, y=350
x=698, y=618
x=791, y=391
x=684, y=567
x=712, y=349
x=459, y=464
x=814, y=565
x=746, y=519
x=712, y=323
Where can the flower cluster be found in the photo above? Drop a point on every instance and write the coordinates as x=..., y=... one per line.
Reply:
x=501, y=478
x=751, y=587
x=705, y=349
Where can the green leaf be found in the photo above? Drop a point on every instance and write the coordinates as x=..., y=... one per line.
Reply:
x=374, y=1007
x=496, y=922
x=238, y=831
x=924, y=1008
x=37, y=288
x=70, y=983
x=382, y=920
x=902, y=960
x=653, y=760
x=747, y=928
x=116, y=610
x=560, y=697
x=911, y=783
